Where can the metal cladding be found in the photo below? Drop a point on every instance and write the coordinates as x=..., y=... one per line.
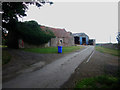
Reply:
x=83, y=39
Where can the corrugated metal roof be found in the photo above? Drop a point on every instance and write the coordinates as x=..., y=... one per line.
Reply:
x=80, y=34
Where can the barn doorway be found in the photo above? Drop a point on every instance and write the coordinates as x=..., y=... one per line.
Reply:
x=77, y=40
x=84, y=41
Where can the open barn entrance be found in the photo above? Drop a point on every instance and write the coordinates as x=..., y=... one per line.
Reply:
x=84, y=41
x=77, y=40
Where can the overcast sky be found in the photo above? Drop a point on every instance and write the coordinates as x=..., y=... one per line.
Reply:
x=98, y=20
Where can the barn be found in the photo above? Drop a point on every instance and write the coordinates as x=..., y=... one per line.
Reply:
x=81, y=39
x=91, y=41
x=63, y=37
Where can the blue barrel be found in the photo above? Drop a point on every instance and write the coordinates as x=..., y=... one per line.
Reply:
x=59, y=49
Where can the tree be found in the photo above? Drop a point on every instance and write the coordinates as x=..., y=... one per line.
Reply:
x=11, y=12
x=118, y=37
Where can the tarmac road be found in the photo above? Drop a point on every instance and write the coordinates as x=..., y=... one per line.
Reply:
x=99, y=64
x=52, y=75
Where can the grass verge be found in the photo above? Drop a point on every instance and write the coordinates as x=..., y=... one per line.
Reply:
x=53, y=49
x=108, y=50
x=5, y=57
x=99, y=82
x=3, y=46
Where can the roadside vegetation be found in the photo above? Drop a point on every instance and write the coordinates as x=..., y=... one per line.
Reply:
x=108, y=50
x=3, y=46
x=103, y=81
x=53, y=49
x=6, y=57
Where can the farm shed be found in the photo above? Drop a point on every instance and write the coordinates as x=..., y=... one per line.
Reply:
x=81, y=38
x=63, y=37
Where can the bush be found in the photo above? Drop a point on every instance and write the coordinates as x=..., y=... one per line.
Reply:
x=31, y=33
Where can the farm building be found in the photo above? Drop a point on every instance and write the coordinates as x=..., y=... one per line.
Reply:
x=81, y=38
x=91, y=41
x=63, y=37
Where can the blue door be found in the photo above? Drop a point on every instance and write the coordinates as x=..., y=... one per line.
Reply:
x=86, y=40
x=80, y=40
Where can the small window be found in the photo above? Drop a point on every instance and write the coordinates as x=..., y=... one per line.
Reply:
x=61, y=41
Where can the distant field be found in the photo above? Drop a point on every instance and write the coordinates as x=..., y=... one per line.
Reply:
x=53, y=49
x=108, y=50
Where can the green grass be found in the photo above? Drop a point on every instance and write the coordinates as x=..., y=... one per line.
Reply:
x=53, y=49
x=108, y=50
x=6, y=57
x=3, y=46
x=98, y=82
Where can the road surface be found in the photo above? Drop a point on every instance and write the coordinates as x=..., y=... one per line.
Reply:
x=99, y=64
x=52, y=75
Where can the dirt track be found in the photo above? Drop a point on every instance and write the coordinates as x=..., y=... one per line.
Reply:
x=99, y=64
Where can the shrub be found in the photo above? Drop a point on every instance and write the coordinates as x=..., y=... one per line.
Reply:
x=31, y=33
